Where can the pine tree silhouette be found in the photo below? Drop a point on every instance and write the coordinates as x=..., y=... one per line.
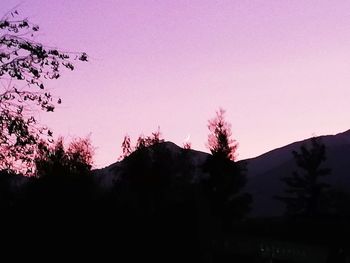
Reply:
x=306, y=194
x=226, y=177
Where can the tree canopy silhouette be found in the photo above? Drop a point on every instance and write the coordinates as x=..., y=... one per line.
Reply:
x=142, y=142
x=56, y=160
x=306, y=194
x=226, y=177
x=25, y=65
x=220, y=142
x=63, y=184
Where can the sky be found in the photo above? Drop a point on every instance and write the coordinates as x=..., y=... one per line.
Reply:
x=280, y=69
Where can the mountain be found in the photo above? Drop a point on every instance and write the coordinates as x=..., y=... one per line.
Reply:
x=264, y=172
x=108, y=175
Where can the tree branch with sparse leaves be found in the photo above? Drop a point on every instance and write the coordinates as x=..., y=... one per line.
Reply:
x=25, y=66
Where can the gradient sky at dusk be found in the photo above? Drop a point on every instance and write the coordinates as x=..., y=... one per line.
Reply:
x=281, y=69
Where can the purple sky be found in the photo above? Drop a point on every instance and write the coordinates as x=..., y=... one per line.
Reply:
x=281, y=69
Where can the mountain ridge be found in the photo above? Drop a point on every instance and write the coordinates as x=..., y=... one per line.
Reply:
x=265, y=171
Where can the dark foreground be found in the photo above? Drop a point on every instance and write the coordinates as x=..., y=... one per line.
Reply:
x=102, y=236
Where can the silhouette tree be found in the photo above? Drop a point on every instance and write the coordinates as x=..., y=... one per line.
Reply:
x=126, y=147
x=226, y=177
x=155, y=138
x=142, y=142
x=187, y=145
x=220, y=142
x=307, y=196
x=80, y=154
x=25, y=65
x=147, y=141
x=51, y=160
x=55, y=160
x=64, y=183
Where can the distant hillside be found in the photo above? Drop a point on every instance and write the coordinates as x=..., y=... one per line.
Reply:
x=264, y=172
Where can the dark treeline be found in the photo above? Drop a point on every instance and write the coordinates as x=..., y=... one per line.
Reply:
x=161, y=207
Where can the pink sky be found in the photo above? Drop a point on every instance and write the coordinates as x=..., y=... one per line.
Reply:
x=281, y=69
